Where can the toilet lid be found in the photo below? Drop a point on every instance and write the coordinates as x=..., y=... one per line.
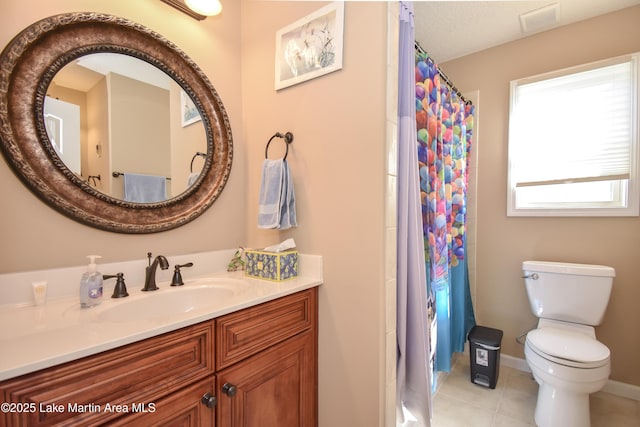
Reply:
x=568, y=347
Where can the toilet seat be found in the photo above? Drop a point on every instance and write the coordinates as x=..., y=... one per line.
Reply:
x=568, y=348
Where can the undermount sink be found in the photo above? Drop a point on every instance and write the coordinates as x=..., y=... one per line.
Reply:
x=168, y=302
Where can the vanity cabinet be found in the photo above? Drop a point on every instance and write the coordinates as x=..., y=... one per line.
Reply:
x=253, y=367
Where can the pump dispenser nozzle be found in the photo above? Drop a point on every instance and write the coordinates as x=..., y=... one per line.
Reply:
x=92, y=262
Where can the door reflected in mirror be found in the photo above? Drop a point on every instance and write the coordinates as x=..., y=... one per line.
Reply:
x=113, y=116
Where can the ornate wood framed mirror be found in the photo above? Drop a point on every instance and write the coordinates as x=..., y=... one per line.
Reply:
x=29, y=65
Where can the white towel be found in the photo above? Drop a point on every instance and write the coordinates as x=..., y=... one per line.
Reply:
x=144, y=188
x=276, y=207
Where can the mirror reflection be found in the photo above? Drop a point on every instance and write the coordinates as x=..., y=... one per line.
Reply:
x=125, y=127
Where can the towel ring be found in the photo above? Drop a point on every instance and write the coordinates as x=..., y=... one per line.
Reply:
x=198, y=153
x=288, y=138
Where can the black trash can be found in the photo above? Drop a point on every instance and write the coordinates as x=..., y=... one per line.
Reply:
x=484, y=352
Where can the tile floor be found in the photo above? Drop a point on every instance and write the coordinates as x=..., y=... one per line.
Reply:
x=460, y=403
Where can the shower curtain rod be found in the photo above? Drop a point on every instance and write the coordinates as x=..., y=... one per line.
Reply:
x=442, y=74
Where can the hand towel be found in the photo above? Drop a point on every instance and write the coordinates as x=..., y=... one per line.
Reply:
x=288, y=206
x=144, y=188
x=192, y=178
x=276, y=207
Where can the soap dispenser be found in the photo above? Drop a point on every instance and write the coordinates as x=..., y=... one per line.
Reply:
x=91, y=284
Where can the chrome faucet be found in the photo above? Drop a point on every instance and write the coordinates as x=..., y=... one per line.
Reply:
x=150, y=276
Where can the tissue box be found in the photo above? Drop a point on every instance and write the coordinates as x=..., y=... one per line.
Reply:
x=277, y=266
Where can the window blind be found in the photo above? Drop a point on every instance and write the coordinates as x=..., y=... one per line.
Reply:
x=574, y=127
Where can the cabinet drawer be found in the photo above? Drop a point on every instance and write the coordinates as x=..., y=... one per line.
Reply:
x=246, y=332
x=114, y=382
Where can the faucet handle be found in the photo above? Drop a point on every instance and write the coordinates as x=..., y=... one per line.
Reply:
x=177, y=275
x=120, y=290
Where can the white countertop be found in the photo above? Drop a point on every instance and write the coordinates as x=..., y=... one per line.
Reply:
x=37, y=337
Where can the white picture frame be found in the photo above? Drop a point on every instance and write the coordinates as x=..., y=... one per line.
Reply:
x=188, y=112
x=310, y=47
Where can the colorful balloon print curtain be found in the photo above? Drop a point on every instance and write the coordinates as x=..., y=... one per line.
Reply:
x=444, y=130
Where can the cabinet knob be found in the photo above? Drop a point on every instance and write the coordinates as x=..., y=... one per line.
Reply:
x=229, y=389
x=209, y=400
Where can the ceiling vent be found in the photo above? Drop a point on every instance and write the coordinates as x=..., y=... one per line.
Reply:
x=540, y=19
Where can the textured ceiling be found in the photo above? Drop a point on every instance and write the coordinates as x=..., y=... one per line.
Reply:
x=451, y=29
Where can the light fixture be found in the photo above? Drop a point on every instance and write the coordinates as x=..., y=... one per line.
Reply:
x=205, y=7
x=197, y=9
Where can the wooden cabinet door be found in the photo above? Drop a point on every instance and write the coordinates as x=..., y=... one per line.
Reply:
x=275, y=388
x=185, y=408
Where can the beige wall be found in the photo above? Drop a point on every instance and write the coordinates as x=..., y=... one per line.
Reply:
x=140, y=132
x=97, y=152
x=502, y=242
x=338, y=165
x=185, y=142
x=34, y=236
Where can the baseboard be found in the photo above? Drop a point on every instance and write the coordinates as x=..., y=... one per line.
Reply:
x=514, y=362
x=616, y=388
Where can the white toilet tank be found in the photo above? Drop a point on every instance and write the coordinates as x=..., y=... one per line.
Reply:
x=577, y=293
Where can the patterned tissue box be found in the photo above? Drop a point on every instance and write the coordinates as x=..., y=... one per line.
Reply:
x=277, y=266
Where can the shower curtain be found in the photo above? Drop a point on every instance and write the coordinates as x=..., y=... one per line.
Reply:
x=444, y=129
x=413, y=377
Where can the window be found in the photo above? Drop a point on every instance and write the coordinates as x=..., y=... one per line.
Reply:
x=573, y=141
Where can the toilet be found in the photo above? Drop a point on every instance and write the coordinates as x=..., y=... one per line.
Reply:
x=566, y=359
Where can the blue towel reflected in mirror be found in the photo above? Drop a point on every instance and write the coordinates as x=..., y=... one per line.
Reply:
x=144, y=188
